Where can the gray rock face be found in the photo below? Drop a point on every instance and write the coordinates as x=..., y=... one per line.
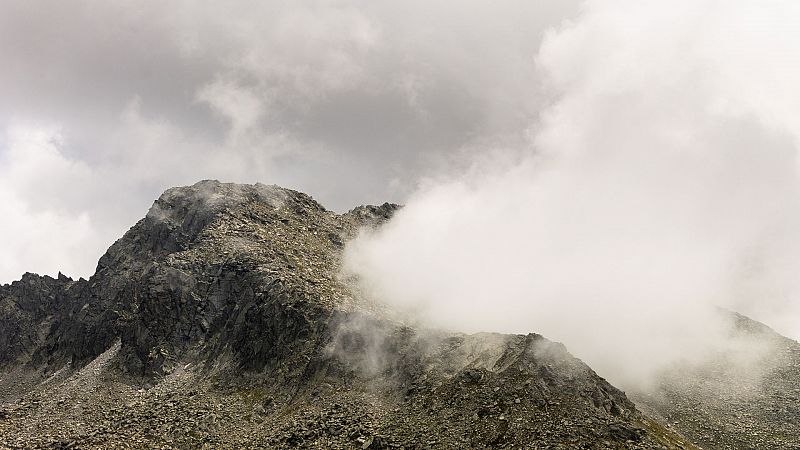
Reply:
x=28, y=309
x=212, y=268
x=220, y=320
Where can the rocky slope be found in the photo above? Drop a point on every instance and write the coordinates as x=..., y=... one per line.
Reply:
x=220, y=321
x=748, y=398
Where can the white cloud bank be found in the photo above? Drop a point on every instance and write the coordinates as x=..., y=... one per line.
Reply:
x=661, y=180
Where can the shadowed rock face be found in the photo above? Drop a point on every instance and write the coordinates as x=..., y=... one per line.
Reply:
x=220, y=319
x=28, y=309
x=213, y=268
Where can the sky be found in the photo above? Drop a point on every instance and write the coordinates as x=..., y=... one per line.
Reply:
x=578, y=168
x=107, y=104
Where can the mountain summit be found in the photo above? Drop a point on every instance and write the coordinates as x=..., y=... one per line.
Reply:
x=221, y=320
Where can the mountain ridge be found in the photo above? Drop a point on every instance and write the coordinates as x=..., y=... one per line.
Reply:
x=226, y=301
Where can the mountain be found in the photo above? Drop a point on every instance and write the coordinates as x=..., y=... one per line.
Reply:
x=221, y=320
x=728, y=403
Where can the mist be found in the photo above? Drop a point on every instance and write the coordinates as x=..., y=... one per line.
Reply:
x=658, y=182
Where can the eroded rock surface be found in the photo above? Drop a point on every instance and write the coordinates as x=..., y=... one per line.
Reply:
x=747, y=398
x=220, y=320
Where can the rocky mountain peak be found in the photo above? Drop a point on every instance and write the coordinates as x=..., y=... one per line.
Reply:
x=178, y=218
x=192, y=207
x=225, y=302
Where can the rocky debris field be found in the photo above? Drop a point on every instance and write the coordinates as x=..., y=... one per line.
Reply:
x=221, y=320
x=728, y=404
x=515, y=392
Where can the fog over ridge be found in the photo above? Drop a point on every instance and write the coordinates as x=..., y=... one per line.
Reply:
x=660, y=183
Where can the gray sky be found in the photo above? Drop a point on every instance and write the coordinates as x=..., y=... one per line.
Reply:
x=106, y=104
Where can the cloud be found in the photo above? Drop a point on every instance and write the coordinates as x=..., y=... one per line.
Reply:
x=48, y=237
x=354, y=102
x=661, y=181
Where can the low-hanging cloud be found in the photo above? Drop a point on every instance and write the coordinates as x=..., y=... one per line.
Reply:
x=661, y=181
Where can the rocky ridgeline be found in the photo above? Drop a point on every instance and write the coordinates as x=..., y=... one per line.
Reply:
x=220, y=320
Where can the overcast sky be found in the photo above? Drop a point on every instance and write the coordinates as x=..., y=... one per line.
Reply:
x=106, y=104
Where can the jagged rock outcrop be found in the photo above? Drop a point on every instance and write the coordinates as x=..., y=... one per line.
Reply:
x=28, y=309
x=212, y=268
x=221, y=320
